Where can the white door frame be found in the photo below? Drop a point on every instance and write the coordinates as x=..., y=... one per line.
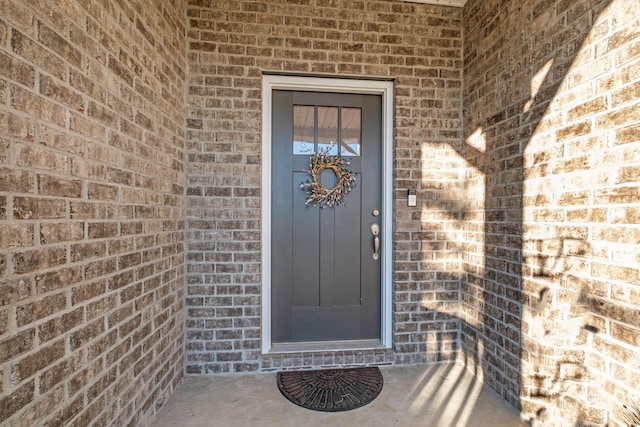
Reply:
x=321, y=84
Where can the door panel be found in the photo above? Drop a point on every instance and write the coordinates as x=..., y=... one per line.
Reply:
x=325, y=281
x=331, y=323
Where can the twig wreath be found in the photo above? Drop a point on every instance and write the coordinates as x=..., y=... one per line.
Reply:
x=318, y=193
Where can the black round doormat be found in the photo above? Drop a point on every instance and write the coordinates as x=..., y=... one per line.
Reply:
x=331, y=390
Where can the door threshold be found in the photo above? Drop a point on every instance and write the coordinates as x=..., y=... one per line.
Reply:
x=315, y=346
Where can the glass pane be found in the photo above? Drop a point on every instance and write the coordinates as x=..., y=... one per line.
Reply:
x=351, y=127
x=303, y=126
x=328, y=129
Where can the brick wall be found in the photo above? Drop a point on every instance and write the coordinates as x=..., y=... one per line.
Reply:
x=91, y=209
x=230, y=45
x=552, y=138
x=521, y=257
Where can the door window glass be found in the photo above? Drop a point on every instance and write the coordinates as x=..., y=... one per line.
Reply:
x=328, y=129
x=325, y=126
x=303, y=129
x=350, y=131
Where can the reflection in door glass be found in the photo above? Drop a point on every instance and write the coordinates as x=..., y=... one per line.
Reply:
x=350, y=126
x=303, y=129
x=328, y=129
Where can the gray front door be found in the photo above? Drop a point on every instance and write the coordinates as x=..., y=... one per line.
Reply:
x=326, y=281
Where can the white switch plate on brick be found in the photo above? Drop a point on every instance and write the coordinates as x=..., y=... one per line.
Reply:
x=412, y=200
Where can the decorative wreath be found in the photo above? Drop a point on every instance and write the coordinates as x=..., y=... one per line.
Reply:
x=318, y=193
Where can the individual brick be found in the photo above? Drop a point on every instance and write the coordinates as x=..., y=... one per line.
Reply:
x=17, y=400
x=61, y=232
x=12, y=346
x=16, y=70
x=53, y=186
x=38, y=259
x=16, y=181
x=19, y=235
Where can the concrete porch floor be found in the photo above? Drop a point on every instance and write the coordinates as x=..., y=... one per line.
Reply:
x=444, y=395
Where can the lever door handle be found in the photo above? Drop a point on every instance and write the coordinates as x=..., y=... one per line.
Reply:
x=375, y=230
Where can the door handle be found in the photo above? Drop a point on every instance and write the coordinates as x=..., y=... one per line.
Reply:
x=375, y=230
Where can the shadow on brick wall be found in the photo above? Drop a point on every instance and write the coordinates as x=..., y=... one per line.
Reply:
x=523, y=320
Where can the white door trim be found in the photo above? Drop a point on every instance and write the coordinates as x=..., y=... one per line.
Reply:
x=321, y=84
